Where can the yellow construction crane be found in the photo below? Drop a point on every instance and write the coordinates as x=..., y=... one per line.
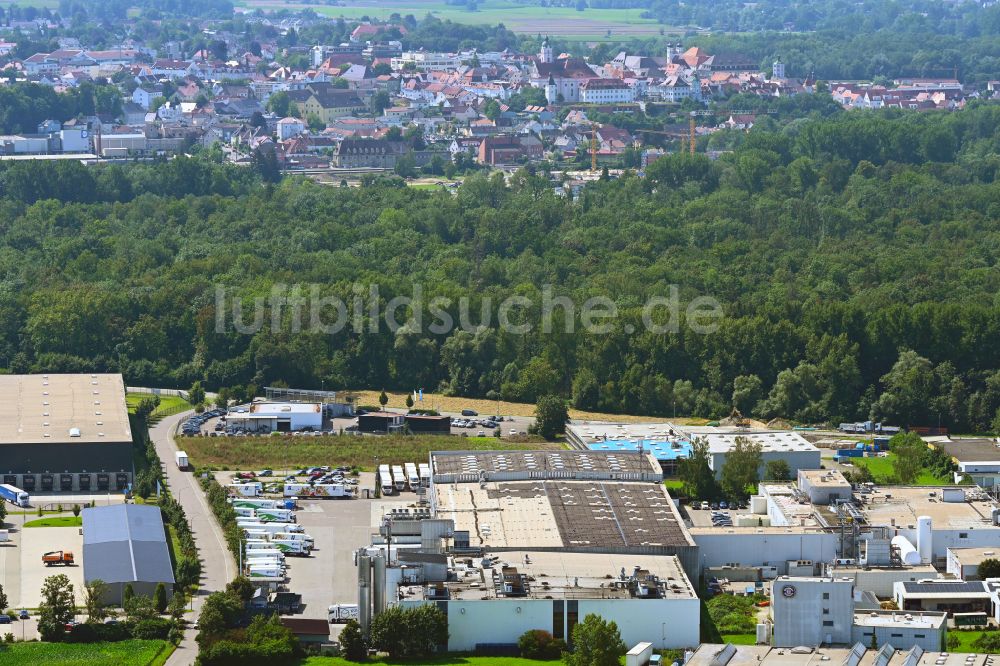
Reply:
x=691, y=126
x=593, y=147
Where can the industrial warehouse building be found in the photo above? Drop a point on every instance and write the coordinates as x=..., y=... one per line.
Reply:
x=126, y=544
x=65, y=433
x=519, y=540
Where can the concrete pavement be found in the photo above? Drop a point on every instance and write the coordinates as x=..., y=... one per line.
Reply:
x=217, y=565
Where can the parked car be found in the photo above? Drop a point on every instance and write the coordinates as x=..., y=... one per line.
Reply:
x=265, y=472
x=469, y=412
x=23, y=614
x=5, y=619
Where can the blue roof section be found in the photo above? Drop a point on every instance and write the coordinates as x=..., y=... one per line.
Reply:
x=660, y=449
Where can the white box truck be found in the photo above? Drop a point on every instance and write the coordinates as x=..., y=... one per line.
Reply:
x=181, y=458
x=398, y=478
x=385, y=480
x=339, y=613
x=425, y=475
x=412, y=478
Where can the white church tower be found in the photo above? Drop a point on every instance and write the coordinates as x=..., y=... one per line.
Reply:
x=778, y=69
x=551, y=92
x=545, y=54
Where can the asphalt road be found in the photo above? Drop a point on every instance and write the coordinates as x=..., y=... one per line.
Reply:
x=217, y=565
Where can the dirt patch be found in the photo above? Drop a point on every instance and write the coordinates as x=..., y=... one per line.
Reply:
x=445, y=403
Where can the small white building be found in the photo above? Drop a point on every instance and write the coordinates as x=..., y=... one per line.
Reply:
x=75, y=140
x=289, y=127
x=942, y=595
x=963, y=563
x=779, y=445
x=824, y=486
x=812, y=611
x=901, y=630
x=277, y=416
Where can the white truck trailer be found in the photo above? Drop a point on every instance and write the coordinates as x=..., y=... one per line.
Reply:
x=339, y=613
x=398, y=478
x=275, y=515
x=425, y=475
x=269, y=527
x=181, y=458
x=249, y=489
x=256, y=502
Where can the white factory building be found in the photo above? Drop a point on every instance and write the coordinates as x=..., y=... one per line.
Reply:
x=520, y=540
x=277, y=416
x=780, y=445
x=822, y=611
x=648, y=597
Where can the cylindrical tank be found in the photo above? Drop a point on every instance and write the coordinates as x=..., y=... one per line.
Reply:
x=378, y=585
x=763, y=634
x=364, y=591
x=924, y=540
x=907, y=552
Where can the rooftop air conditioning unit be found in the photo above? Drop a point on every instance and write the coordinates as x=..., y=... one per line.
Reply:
x=74, y=432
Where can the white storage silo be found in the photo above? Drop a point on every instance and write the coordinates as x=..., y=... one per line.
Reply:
x=924, y=539
x=907, y=553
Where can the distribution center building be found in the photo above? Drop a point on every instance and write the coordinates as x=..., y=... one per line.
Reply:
x=65, y=433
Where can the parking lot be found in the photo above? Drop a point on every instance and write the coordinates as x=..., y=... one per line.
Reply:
x=339, y=528
x=212, y=424
x=717, y=517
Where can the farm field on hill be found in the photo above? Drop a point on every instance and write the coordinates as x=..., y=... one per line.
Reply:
x=591, y=24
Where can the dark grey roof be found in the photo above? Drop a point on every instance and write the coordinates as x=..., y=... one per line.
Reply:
x=916, y=587
x=125, y=543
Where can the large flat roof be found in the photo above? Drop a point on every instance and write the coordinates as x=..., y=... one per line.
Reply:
x=580, y=515
x=67, y=409
x=970, y=450
x=778, y=441
x=902, y=505
x=449, y=466
x=893, y=619
x=563, y=575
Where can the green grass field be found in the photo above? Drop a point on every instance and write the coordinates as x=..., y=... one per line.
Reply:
x=125, y=653
x=965, y=640
x=56, y=521
x=566, y=22
x=169, y=404
x=448, y=660
x=740, y=639
x=882, y=470
x=286, y=452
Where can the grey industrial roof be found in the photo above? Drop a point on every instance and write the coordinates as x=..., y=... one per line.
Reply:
x=125, y=543
x=59, y=408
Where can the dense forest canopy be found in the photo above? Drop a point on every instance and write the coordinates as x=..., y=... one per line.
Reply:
x=855, y=258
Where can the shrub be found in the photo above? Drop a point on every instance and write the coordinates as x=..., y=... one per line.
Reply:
x=154, y=629
x=353, y=641
x=539, y=644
